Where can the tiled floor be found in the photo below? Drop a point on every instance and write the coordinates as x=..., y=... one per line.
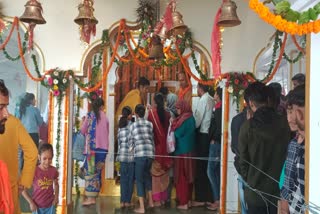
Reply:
x=111, y=205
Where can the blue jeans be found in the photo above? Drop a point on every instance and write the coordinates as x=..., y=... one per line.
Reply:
x=49, y=210
x=143, y=175
x=213, y=169
x=244, y=208
x=126, y=181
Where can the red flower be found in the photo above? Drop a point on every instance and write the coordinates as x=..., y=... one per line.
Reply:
x=56, y=93
x=236, y=81
x=227, y=84
x=50, y=81
x=245, y=84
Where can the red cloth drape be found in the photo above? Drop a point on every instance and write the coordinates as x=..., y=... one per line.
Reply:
x=160, y=137
x=6, y=200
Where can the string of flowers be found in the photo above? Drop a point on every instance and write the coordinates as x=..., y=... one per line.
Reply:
x=24, y=48
x=280, y=23
x=195, y=61
x=58, y=82
x=298, y=57
x=58, y=138
x=15, y=24
x=77, y=125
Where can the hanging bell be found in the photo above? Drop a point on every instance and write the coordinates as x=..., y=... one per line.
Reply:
x=228, y=16
x=33, y=13
x=163, y=32
x=178, y=28
x=156, y=50
x=86, y=13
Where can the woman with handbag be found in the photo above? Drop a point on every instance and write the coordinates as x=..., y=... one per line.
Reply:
x=159, y=118
x=184, y=127
x=96, y=130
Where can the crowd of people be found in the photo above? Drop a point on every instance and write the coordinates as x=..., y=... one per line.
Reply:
x=145, y=159
x=267, y=139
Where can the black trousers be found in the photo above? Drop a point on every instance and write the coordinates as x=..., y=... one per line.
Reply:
x=270, y=209
x=202, y=185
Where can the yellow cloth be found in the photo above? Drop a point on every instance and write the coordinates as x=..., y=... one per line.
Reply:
x=132, y=99
x=15, y=135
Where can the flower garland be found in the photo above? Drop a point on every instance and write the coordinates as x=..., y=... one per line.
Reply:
x=8, y=56
x=58, y=82
x=235, y=85
x=280, y=23
x=77, y=125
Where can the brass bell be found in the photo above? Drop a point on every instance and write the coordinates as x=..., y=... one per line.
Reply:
x=178, y=28
x=33, y=13
x=163, y=32
x=228, y=16
x=86, y=13
x=156, y=50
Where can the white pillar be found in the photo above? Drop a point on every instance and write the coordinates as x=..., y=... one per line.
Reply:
x=313, y=108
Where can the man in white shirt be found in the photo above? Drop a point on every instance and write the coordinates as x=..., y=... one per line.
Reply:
x=202, y=115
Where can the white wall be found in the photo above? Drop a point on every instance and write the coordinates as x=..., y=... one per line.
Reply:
x=59, y=38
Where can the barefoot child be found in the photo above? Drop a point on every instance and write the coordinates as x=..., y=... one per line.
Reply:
x=125, y=157
x=45, y=184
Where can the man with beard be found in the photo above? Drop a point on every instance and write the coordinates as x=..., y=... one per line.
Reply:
x=13, y=135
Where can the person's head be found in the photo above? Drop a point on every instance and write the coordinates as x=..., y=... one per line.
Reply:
x=274, y=90
x=27, y=100
x=258, y=95
x=246, y=95
x=298, y=79
x=291, y=117
x=140, y=110
x=4, y=102
x=202, y=89
x=45, y=155
x=171, y=100
x=97, y=105
x=296, y=99
x=183, y=106
x=164, y=91
x=159, y=102
x=126, y=115
x=218, y=95
x=183, y=81
x=143, y=85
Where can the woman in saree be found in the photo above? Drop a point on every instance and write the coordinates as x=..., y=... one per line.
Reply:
x=184, y=127
x=159, y=118
x=96, y=130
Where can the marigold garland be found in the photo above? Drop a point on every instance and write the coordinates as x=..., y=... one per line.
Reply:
x=65, y=153
x=281, y=24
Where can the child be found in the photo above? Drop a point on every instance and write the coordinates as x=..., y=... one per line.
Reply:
x=125, y=158
x=45, y=184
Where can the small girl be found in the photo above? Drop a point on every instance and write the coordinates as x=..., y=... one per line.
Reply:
x=125, y=158
x=45, y=184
